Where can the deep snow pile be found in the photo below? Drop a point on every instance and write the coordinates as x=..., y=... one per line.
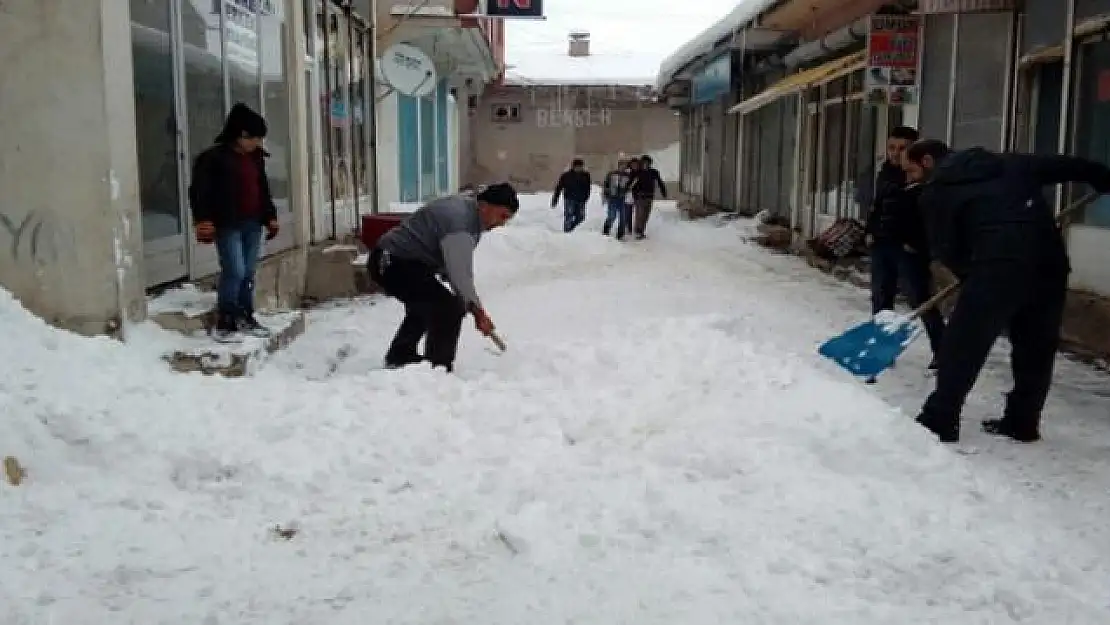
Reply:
x=650, y=450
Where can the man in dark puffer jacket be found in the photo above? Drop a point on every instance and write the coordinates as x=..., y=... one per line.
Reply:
x=897, y=238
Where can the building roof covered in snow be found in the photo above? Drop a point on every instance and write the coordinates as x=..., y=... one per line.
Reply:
x=623, y=46
x=741, y=15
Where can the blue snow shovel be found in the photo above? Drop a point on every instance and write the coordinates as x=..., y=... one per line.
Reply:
x=872, y=347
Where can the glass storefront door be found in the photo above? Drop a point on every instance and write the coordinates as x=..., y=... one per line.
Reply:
x=193, y=59
x=157, y=125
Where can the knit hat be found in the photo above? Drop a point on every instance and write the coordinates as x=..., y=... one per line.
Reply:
x=242, y=122
x=500, y=194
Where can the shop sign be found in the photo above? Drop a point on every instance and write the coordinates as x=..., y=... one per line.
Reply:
x=893, y=60
x=514, y=9
x=967, y=6
x=713, y=81
x=573, y=118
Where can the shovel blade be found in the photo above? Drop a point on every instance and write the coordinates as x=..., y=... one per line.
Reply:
x=868, y=349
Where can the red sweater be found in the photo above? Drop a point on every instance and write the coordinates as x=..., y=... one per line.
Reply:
x=249, y=198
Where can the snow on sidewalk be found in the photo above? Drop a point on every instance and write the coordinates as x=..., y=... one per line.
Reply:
x=659, y=445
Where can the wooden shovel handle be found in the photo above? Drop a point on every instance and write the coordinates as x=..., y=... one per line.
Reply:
x=952, y=288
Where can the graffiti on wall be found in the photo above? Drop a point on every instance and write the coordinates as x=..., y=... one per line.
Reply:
x=573, y=118
x=36, y=238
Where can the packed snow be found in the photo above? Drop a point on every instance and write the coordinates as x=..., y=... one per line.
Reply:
x=659, y=444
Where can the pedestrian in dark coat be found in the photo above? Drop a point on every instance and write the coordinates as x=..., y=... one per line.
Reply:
x=898, y=244
x=232, y=204
x=645, y=181
x=575, y=187
x=613, y=191
x=990, y=225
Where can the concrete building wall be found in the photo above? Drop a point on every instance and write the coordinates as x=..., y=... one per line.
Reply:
x=553, y=125
x=69, y=207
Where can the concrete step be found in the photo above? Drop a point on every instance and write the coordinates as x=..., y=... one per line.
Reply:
x=198, y=353
x=189, y=313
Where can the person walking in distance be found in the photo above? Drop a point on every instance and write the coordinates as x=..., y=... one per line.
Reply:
x=613, y=192
x=645, y=181
x=898, y=242
x=438, y=241
x=232, y=204
x=575, y=187
x=992, y=228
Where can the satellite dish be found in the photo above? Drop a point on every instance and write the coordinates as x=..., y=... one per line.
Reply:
x=408, y=70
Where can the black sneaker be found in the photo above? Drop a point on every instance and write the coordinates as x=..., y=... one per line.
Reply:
x=251, y=327
x=945, y=431
x=1001, y=427
x=226, y=330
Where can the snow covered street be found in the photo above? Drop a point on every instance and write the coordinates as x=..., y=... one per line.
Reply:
x=660, y=444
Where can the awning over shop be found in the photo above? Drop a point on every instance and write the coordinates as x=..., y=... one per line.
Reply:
x=1051, y=54
x=803, y=80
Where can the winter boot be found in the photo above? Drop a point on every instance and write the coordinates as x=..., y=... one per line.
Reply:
x=250, y=326
x=1005, y=427
x=226, y=329
x=946, y=430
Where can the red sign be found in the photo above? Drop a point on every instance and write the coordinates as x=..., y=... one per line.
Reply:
x=514, y=8
x=894, y=41
x=1104, y=86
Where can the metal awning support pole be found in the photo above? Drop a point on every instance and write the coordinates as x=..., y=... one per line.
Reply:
x=1065, y=92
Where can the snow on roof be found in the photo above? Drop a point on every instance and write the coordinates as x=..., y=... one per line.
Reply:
x=741, y=15
x=626, y=46
x=547, y=68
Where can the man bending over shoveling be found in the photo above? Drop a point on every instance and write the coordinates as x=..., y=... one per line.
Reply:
x=438, y=240
x=991, y=226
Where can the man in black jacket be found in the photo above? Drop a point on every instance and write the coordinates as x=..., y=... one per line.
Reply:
x=897, y=239
x=575, y=186
x=990, y=225
x=231, y=201
x=645, y=181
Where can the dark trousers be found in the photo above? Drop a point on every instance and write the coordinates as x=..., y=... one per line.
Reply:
x=432, y=312
x=617, y=211
x=643, y=213
x=1029, y=304
x=891, y=264
x=574, y=213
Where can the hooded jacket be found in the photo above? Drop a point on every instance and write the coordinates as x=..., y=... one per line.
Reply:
x=988, y=209
x=574, y=185
x=895, y=215
x=217, y=174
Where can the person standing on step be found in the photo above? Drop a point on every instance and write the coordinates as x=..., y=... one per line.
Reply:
x=232, y=204
x=436, y=244
x=896, y=237
x=575, y=186
x=613, y=191
x=990, y=225
x=645, y=181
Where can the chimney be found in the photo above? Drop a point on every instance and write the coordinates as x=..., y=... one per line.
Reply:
x=579, y=43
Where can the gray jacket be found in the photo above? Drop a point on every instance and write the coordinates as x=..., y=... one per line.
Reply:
x=442, y=235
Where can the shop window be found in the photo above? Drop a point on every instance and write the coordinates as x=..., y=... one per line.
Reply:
x=1092, y=136
x=276, y=106
x=832, y=178
x=502, y=113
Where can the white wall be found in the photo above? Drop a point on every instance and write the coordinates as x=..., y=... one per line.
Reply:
x=389, y=174
x=1089, y=248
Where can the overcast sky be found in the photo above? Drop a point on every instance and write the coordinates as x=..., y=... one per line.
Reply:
x=643, y=31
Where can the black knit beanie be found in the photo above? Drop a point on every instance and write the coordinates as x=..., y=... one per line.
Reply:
x=242, y=122
x=500, y=194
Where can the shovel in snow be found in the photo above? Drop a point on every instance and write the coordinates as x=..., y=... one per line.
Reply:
x=873, y=346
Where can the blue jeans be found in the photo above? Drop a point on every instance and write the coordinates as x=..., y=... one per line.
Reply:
x=618, y=212
x=574, y=213
x=238, y=248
